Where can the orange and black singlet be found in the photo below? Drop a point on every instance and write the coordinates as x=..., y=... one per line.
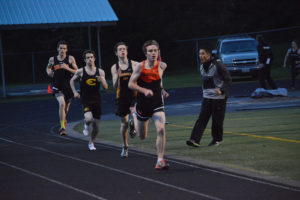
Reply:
x=150, y=79
x=124, y=95
x=61, y=78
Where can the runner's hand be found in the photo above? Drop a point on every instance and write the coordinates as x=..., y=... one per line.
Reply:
x=65, y=66
x=148, y=93
x=165, y=93
x=77, y=95
x=51, y=73
x=99, y=78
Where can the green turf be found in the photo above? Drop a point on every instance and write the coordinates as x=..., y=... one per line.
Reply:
x=269, y=156
x=182, y=79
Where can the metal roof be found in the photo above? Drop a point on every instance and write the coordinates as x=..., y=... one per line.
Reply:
x=16, y=14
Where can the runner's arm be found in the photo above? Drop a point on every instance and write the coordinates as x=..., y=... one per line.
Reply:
x=49, y=67
x=76, y=76
x=73, y=63
x=102, y=80
x=162, y=68
x=114, y=75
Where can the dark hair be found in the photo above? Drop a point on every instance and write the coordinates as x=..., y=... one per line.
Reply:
x=88, y=51
x=119, y=44
x=207, y=49
x=294, y=41
x=148, y=43
x=62, y=42
x=260, y=38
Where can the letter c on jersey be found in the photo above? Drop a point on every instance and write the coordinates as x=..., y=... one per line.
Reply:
x=91, y=82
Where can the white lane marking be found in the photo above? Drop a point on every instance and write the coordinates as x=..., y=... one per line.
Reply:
x=194, y=166
x=198, y=167
x=52, y=180
x=115, y=170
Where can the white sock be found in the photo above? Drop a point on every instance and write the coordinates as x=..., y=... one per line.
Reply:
x=159, y=159
x=86, y=127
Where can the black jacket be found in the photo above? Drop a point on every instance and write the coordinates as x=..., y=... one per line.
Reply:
x=264, y=52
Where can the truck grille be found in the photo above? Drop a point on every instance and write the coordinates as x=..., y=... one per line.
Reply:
x=244, y=62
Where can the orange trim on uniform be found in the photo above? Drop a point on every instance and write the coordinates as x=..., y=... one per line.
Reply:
x=118, y=88
x=149, y=75
x=56, y=67
x=125, y=74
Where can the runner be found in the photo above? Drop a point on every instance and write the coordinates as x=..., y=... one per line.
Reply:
x=60, y=71
x=148, y=75
x=90, y=79
x=125, y=98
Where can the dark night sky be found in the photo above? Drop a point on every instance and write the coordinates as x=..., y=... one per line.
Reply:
x=163, y=20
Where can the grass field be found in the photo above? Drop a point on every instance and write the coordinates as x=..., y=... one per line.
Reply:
x=265, y=141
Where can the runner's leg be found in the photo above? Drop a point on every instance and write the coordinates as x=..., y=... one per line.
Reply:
x=124, y=130
x=61, y=110
x=159, y=120
x=142, y=128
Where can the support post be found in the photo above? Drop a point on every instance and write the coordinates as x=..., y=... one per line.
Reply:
x=33, y=67
x=98, y=46
x=2, y=68
x=197, y=55
x=89, y=37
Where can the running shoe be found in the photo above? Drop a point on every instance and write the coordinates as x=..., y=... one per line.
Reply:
x=132, y=131
x=192, y=143
x=92, y=146
x=62, y=132
x=214, y=143
x=162, y=165
x=124, y=153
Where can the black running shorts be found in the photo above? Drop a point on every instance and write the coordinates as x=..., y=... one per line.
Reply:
x=144, y=112
x=95, y=108
x=123, y=109
x=67, y=92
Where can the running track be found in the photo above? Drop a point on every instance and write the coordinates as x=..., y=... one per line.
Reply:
x=36, y=163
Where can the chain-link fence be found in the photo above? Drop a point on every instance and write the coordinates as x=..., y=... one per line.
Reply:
x=29, y=67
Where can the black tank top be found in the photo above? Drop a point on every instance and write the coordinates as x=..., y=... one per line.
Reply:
x=61, y=77
x=294, y=56
x=124, y=94
x=150, y=79
x=90, y=87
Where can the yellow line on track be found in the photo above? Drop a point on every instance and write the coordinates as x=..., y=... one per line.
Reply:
x=244, y=134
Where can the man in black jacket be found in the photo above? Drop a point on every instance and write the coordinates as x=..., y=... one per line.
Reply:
x=216, y=82
x=265, y=57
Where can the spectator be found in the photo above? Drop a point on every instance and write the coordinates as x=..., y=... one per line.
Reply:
x=265, y=57
x=293, y=54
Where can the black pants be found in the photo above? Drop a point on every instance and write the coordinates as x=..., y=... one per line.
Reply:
x=265, y=75
x=210, y=107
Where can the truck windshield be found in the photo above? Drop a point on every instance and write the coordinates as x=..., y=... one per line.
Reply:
x=238, y=46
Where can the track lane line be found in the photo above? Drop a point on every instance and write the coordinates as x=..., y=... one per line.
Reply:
x=247, y=178
x=52, y=180
x=115, y=170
